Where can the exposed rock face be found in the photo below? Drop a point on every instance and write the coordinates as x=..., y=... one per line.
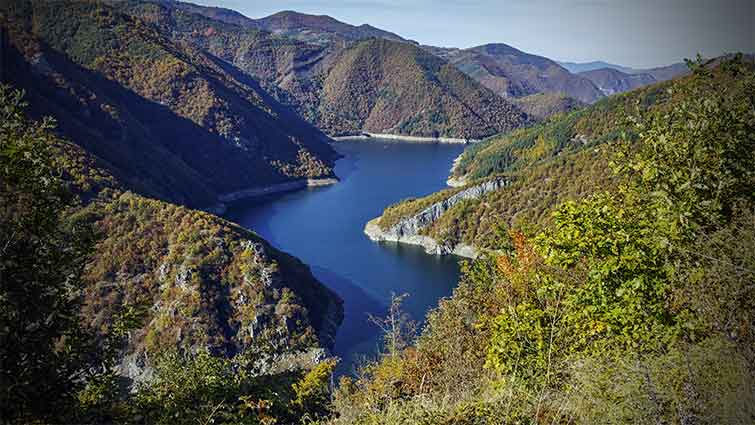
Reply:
x=408, y=229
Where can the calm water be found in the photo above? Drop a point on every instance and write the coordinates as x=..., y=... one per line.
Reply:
x=323, y=227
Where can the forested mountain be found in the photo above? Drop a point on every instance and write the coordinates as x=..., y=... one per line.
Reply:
x=563, y=158
x=111, y=301
x=107, y=292
x=631, y=302
x=162, y=114
x=542, y=105
x=661, y=73
x=611, y=239
x=512, y=73
x=384, y=86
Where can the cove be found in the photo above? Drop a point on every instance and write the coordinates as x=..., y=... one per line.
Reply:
x=323, y=226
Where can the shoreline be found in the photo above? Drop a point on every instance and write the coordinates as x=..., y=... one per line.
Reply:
x=455, y=181
x=399, y=137
x=224, y=200
x=430, y=245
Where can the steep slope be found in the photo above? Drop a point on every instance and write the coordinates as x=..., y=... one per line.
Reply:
x=382, y=86
x=199, y=281
x=565, y=157
x=166, y=113
x=320, y=29
x=187, y=280
x=310, y=77
x=511, y=72
x=290, y=70
x=611, y=81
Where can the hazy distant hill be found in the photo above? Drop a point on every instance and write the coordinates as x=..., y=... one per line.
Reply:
x=661, y=73
x=384, y=86
x=611, y=81
x=577, y=67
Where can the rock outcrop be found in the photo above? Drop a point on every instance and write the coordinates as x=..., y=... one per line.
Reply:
x=408, y=229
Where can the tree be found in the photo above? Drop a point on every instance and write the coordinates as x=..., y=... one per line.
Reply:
x=398, y=329
x=44, y=351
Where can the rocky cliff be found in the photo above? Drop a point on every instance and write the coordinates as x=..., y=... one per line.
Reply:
x=409, y=229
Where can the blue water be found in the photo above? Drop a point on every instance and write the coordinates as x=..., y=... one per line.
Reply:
x=324, y=228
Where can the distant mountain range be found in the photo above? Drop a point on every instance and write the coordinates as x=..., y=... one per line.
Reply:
x=661, y=73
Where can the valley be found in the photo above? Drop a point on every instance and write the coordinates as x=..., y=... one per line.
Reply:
x=209, y=217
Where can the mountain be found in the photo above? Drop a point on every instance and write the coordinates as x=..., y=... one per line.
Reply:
x=290, y=70
x=162, y=114
x=611, y=81
x=145, y=124
x=216, y=13
x=320, y=29
x=515, y=179
x=320, y=79
x=661, y=73
x=383, y=86
x=577, y=67
x=538, y=327
x=512, y=73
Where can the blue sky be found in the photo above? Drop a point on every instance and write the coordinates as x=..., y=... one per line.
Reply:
x=639, y=33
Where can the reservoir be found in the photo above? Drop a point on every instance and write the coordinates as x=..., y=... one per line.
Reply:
x=323, y=226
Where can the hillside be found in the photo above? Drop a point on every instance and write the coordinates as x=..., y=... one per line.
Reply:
x=151, y=283
x=630, y=304
x=319, y=78
x=382, y=86
x=290, y=70
x=166, y=112
x=611, y=81
x=512, y=73
x=565, y=157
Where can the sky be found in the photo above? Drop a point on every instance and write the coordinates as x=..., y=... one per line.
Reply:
x=636, y=33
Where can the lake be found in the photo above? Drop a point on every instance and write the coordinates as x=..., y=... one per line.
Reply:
x=324, y=227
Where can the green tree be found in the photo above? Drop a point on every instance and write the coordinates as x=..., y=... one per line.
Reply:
x=44, y=352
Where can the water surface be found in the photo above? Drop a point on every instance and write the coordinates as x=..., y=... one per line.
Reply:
x=324, y=228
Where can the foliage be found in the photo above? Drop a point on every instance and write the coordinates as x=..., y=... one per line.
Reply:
x=384, y=86
x=158, y=112
x=187, y=389
x=633, y=305
x=45, y=353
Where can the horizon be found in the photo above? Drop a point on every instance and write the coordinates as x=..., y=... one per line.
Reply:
x=588, y=30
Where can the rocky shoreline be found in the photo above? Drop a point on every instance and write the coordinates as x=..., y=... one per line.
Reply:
x=228, y=198
x=431, y=246
x=399, y=137
x=456, y=181
x=407, y=230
